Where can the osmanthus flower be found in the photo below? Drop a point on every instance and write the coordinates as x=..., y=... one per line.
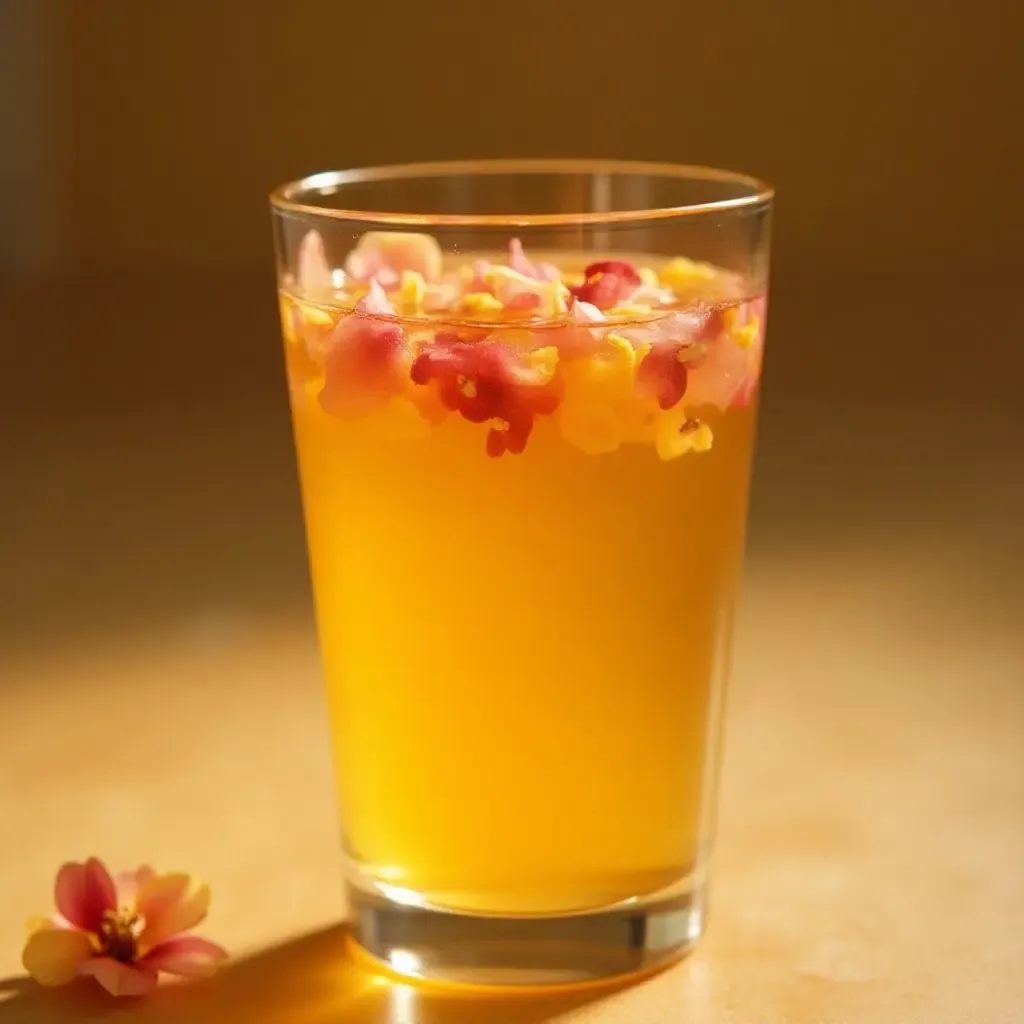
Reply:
x=601, y=408
x=124, y=933
x=490, y=382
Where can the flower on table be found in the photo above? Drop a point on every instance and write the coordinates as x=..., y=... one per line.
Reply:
x=123, y=933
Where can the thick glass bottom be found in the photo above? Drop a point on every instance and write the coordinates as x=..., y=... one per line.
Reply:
x=436, y=944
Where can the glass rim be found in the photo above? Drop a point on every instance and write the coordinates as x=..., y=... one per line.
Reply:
x=288, y=198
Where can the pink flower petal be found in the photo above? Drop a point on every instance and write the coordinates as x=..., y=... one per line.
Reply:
x=314, y=271
x=120, y=979
x=720, y=375
x=519, y=262
x=188, y=956
x=54, y=956
x=84, y=893
x=580, y=338
x=376, y=301
x=169, y=905
x=517, y=259
x=479, y=280
x=364, y=365
x=585, y=312
x=385, y=254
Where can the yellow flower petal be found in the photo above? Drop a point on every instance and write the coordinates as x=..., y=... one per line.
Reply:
x=53, y=956
x=287, y=320
x=630, y=309
x=171, y=904
x=675, y=438
x=38, y=923
x=480, y=303
x=682, y=275
x=412, y=290
x=623, y=349
x=543, y=361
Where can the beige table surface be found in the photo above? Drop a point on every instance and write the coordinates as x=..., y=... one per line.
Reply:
x=870, y=865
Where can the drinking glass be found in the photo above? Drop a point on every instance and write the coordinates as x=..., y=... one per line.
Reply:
x=524, y=398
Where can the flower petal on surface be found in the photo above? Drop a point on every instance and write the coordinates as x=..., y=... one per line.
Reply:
x=188, y=956
x=519, y=262
x=314, y=271
x=364, y=366
x=608, y=283
x=720, y=375
x=385, y=254
x=84, y=893
x=663, y=375
x=169, y=906
x=120, y=979
x=376, y=301
x=488, y=381
x=54, y=956
x=518, y=291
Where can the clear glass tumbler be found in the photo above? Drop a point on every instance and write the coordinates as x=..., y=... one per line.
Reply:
x=524, y=399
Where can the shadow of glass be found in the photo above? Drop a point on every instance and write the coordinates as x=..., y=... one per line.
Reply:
x=320, y=978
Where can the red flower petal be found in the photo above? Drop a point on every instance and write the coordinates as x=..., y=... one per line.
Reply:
x=608, y=283
x=662, y=374
x=487, y=381
x=84, y=893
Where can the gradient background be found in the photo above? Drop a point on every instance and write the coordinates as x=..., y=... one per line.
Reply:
x=148, y=479
x=147, y=454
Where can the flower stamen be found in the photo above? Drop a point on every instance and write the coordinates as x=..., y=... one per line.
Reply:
x=119, y=934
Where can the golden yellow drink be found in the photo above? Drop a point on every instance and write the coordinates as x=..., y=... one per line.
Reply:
x=524, y=477
x=522, y=656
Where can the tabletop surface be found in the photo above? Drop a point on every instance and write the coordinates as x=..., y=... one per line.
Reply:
x=870, y=859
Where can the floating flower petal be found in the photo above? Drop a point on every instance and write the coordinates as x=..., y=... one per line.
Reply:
x=383, y=255
x=366, y=359
x=486, y=381
x=608, y=283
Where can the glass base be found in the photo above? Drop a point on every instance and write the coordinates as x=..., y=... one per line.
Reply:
x=436, y=944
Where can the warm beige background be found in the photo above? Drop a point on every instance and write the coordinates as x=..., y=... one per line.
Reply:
x=158, y=685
